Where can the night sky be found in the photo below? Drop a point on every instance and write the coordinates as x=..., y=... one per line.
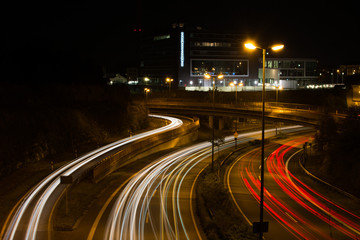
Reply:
x=54, y=36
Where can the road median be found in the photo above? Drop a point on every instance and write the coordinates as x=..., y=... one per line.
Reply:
x=217, y=213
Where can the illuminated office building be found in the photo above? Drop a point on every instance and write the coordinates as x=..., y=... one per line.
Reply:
x=186, y=54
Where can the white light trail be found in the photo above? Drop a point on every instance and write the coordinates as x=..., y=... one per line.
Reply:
x=41, y=193
x=164, y=177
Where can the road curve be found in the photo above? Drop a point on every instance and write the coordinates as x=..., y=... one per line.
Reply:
x=290, y=203
x=157, y=203
x=30, y=218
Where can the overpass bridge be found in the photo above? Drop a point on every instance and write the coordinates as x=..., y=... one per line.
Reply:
x=287, y=112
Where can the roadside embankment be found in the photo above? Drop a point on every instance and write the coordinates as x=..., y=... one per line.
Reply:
x=217, y=213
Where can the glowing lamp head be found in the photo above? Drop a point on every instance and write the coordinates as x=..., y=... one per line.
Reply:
x=207, y=76
x=277, y=47
x=250, y=46
x=220, y=76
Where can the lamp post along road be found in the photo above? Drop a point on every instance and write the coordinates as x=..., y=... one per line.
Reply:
x=169, y=80
x=261, y=227
x=208, y=76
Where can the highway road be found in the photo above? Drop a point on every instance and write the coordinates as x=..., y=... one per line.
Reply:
x=30, y=217
x=155, y=203
x=307, y=210
x=158, y=201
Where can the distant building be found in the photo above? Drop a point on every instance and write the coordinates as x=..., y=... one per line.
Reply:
x=335, y=74
x=186, y=54
x=349, y=70
x=289, y=72
x=117, y=79
x=214, y=54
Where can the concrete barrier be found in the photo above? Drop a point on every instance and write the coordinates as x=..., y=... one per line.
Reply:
x=185, y=134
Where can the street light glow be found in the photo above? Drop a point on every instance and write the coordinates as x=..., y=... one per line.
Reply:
x=207, y=76
x=220, y=76
x=250, y=46
x=277, y=47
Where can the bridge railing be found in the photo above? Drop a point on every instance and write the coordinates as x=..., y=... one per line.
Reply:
x=253, y=106
x=286, y=111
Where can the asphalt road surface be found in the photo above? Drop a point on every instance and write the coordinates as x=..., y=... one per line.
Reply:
x=158, y=201
x=294, y=208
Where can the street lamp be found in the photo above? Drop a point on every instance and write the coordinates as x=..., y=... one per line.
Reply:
x=235, y=84
x=277, y=88
x=208, y=76
x=261, y=227
x=169, y=80
x=146, y=91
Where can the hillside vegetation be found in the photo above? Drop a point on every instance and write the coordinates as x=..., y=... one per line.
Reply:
x=43, y=121
x=337, y=144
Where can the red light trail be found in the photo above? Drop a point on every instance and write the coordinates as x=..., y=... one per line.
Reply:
x=291, y=206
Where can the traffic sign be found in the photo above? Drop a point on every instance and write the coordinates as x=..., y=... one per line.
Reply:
x=236, y=135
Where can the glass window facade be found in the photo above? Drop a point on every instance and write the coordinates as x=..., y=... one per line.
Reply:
x=215, y=67
x=311, y=68
x=290, y=64
x=293, y=67
x=291, y=72
x=211, y=44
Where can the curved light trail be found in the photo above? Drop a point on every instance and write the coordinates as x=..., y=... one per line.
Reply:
x=30, y=210
x=298, y=207
x=156, y=202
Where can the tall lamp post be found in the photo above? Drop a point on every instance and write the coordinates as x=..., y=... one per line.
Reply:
x=146, y=91
x=277, y=88
x=261, y=227
x=169, y=80
x=208, y=76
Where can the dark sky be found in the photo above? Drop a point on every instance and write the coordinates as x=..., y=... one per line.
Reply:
x=101, y=33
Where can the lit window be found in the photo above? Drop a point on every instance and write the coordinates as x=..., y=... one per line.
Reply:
x=276, y=64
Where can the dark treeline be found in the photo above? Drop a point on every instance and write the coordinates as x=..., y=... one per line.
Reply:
x=41, y=121
x=338, y=144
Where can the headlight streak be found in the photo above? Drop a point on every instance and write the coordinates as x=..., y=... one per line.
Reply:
x=157, y=169
x=296, y=223
x=163, y=177
x=54, y=180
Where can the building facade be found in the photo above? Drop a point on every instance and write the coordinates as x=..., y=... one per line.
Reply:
x=289, y=72
x=186, y=54
x=215, y=54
